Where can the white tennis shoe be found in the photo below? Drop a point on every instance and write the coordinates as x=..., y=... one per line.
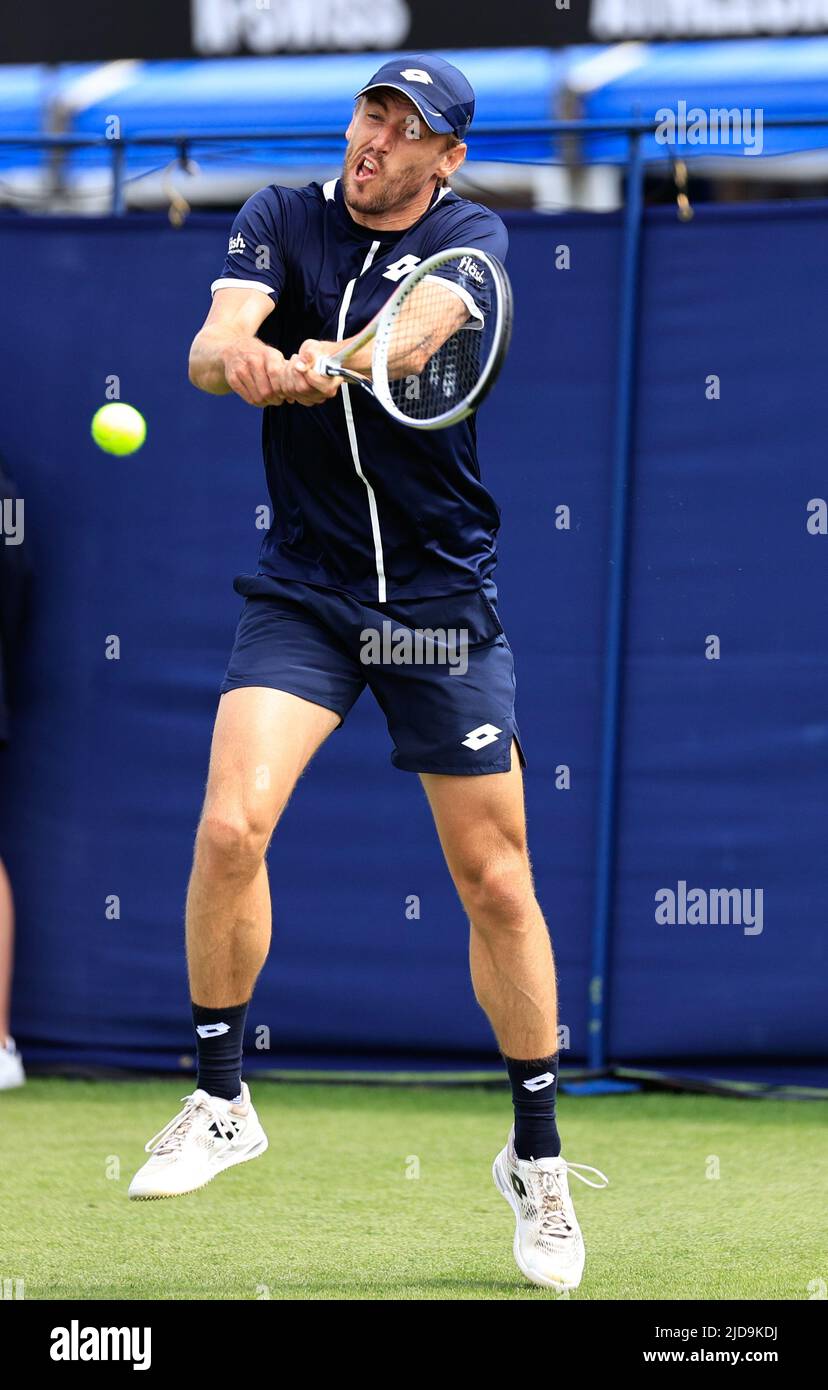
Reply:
x=548, y=1247
x=208, y=1135
x=11, y=1066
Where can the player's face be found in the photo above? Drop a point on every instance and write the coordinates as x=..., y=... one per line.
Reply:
x=391, y=156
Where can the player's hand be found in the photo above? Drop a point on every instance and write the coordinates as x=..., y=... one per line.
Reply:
x=302, y=384
x=255, y=371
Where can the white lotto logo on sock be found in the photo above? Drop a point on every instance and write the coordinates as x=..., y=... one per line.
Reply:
x=537, y=1083
x=212, y=1030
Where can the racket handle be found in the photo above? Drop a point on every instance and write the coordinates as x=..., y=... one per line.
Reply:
x=322, y=366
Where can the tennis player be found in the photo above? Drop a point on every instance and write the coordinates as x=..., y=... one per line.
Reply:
x=373, y=522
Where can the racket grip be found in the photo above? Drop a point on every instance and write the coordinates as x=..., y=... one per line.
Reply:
x=322, y=365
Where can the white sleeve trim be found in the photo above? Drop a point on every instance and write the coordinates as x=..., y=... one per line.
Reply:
x=233, y=284
x=466, y=298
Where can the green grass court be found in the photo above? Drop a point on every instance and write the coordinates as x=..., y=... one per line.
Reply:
x=329, y=1213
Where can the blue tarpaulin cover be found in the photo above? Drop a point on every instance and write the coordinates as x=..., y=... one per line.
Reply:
x=723, y=762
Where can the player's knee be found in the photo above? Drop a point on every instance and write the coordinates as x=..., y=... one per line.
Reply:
x=497, y=892
x=231, y=843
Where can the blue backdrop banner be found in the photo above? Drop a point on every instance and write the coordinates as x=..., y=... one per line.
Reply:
x=725, y=730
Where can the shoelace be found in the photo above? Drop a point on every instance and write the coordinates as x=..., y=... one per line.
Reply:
x=571, y=1168
x=553, y=1220
x=553, y=1213
x=171, y=1138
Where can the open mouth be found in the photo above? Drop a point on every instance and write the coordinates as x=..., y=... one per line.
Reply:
x=365, y=169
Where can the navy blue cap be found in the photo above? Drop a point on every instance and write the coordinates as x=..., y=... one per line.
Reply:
x=440, y=92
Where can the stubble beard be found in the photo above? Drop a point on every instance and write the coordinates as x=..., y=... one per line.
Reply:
x=389, y=193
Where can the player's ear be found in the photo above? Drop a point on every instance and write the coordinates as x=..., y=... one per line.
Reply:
x=451, y=160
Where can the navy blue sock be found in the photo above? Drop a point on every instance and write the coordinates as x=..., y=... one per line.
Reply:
x=219, y=1040
x=534, y=1093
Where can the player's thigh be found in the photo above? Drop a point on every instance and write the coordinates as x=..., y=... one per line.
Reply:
x=481, y=822
x=263, y=740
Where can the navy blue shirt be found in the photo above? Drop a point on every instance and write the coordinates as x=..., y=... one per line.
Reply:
x=361, y=502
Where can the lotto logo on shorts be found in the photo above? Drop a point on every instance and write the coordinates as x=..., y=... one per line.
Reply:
x=482, y=737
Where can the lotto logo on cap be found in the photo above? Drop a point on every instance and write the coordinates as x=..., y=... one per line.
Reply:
x=441, y=93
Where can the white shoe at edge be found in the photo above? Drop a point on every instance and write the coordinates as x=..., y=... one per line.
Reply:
x=548, y=1247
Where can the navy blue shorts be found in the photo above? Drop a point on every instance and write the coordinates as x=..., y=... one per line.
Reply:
x=440, y=669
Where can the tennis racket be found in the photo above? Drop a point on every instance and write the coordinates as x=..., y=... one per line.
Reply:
x=433, y=352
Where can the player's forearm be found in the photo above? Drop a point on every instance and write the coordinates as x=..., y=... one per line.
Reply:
x=410, y=357
x=416, y=336
x=208, y=358
x=360, y=360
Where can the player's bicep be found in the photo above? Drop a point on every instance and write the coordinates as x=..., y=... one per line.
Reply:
x=471, y=280
x=243, y=310
x=457, y=305
x=432, y=312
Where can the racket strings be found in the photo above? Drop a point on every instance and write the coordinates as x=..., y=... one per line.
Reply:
x=438, y=342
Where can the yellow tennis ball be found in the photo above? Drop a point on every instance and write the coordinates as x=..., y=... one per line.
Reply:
x=118, y=428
